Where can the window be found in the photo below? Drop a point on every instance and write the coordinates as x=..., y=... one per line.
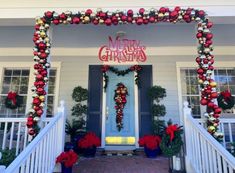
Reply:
x=14, y=80
x=19, y=77
x=225, y=78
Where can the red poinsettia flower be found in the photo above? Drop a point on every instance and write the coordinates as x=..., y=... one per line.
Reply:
x=68, y=158
x=150, y=141
x=89, y=140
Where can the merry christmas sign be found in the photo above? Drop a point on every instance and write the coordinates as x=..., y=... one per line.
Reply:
x=122, y=50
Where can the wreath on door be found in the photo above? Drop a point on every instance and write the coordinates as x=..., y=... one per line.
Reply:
x=120, y=95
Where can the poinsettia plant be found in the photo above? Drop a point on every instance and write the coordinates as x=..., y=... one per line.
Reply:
x=150, y=141
x=89, y=140
x=68, y=158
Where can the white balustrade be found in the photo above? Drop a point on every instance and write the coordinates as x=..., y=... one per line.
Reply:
x=40, y=154
x=13, y=133
x=203, y=153
x=227, y=127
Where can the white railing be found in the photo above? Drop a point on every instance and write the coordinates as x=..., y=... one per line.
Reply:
x=203, y=153
x=40, y=154
x=227, y=127
x=13, y=133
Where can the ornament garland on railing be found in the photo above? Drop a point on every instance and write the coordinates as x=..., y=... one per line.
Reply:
x=205, y=57
x=106, y=68
x=120, y=101
x=225, y=100
x=13, y=100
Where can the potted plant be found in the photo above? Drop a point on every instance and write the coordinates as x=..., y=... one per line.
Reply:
x=89, y=143
x=151, y=145
x=8, y=156
x=156, y=94
x=77, y=127
x=67, y=160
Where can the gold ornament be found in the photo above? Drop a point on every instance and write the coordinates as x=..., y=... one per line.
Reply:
x=200, y=81
x=213, y=84
x=86, y=19
x=42, y=34
x=161, y=15
x=211, y=129
x=42, y=98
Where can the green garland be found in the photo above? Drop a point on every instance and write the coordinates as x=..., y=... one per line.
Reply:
x=136, y=68
x=171, y=148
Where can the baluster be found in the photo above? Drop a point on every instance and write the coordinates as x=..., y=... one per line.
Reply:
x=4, y=136
x=18, y=139
x=11, y=135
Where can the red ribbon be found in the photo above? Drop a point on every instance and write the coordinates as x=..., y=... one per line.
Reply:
x=227, y=95
x=170, y=130
x=12, y=97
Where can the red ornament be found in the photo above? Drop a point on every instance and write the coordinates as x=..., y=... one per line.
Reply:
x=39, y=77
x=141, y=10
x=56, y=21
x=88, y=12
x=210, y=104
x=43, y=55
x=124, y=18
x=199, y=35
x=214, y=95
x=39, y=112
x=49, y=14
x=31, y=132
x=209, y=24
x=151, y=19
x=76, y=20
x=36, y=101
x=201, y=13
x=203, y=102
x=63, y=16
x=108, y=22
x=200, y=71
x=162, y=10
x=139, y=21
x=130, y=13
x=209, y=36
x=42, y=45
x=218, y=111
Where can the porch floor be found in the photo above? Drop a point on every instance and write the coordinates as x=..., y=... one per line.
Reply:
x=122, y=164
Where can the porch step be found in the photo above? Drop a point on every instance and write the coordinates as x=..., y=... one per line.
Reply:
x=119, y=152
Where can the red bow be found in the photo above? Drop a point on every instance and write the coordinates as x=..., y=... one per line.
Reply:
x=226, y=94
x=170, y=130
x=12, y=96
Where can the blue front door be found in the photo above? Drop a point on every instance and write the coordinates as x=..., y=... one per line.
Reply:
x=126, y=136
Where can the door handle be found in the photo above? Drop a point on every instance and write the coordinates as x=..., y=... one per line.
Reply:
x=107, y=113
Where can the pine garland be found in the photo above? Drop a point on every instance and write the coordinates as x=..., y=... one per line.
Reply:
x=135, y=68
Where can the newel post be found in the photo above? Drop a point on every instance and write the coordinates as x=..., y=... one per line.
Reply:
x=61, y=110
x=186, y=113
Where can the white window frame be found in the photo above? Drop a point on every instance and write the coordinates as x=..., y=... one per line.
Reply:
x=30, y=66
x=191, y=64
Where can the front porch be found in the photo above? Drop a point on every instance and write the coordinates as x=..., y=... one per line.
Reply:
x=204, y=156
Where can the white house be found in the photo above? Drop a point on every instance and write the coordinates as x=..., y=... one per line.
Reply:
x=165, y=51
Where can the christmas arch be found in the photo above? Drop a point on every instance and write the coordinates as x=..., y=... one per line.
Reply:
x=205, y=58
